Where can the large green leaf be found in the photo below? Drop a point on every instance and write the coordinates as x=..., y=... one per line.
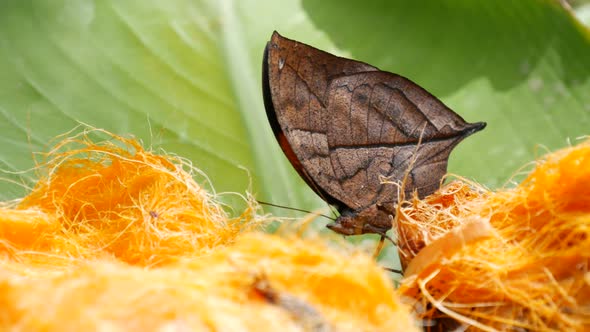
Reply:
x=180, y=75
x=583, y=13
x=185, y=76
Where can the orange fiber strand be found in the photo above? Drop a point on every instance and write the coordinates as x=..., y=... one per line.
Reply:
x=217, y=292
x=512, y=259
x=116, y=238
x=119, y=199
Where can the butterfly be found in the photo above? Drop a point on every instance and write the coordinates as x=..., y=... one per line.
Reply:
x=354, y=132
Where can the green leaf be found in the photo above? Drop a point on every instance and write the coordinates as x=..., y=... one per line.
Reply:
x=184, y=76
x=583, y=13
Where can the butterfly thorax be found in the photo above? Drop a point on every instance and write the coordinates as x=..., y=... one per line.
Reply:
x=373, y=219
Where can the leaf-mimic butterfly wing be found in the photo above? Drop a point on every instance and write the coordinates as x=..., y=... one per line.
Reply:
x=351, y=130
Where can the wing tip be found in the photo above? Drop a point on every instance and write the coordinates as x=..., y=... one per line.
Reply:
x=473, y=128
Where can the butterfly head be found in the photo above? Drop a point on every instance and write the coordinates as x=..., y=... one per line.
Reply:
x=373, y=219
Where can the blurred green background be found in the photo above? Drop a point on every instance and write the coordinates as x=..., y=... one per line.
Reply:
x=184, y=77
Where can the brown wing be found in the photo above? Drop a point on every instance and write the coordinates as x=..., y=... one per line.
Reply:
x=317, y=67
x=349, y=126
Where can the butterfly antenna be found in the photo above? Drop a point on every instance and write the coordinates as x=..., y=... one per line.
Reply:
x=296, y=209
x=400, y=272
x=318, y=191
